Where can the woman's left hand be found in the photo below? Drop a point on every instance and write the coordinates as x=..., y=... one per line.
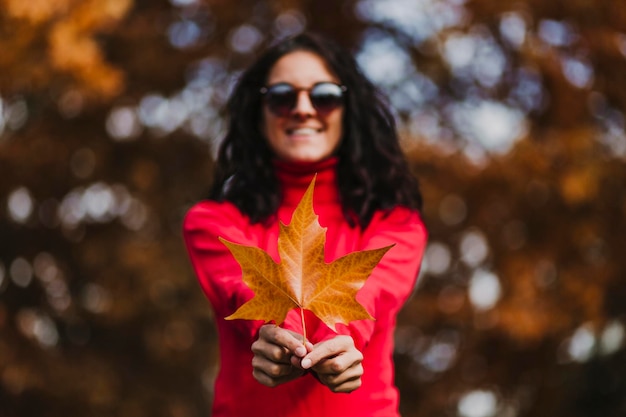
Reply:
x=337, y=363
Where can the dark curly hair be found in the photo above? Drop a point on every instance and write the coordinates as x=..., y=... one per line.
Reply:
x=372, y=173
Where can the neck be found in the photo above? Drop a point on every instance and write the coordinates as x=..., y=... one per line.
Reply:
x=295, y=177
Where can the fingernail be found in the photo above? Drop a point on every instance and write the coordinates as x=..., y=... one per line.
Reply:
x=300, y=351
x=306, y=363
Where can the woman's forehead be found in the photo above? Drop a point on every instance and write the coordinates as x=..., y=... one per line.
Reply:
x=302, y=69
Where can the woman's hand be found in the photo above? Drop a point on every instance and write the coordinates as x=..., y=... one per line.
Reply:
x=277, y=354
x=337, y=363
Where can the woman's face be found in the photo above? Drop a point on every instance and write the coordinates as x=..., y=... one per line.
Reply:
x=302, y=134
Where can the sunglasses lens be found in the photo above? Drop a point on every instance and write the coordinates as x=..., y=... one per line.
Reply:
x=281, y=98
x=326, y=97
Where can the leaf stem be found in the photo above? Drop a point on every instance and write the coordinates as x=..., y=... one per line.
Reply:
x=303, y=326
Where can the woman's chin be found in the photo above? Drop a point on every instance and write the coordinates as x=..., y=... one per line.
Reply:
x=305, y=157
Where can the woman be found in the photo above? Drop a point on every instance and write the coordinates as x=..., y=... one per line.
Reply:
x=303, y=109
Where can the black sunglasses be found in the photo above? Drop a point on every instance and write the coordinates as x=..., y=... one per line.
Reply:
x=281, y=98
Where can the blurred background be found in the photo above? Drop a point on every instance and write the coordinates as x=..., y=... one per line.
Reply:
x=512, y=115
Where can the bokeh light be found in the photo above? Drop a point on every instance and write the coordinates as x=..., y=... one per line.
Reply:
x=484, y=289
x=474, y=247
x=494, y=126
x=452, y=209
x=577, y=71
x=383, y=61
x=184, y=33
x=417, y=19
x=556, y=33
x=437, y=258
x=20, y=205
x=123, y=123
x=183, y=3
x=612, y=338
x=21, y=272
x=38, y=326
x=582, y=343
x=245, y=39
x=513, y=28
x=478, y=403
x=289, y=23
x=13, y=114
x=95, y=298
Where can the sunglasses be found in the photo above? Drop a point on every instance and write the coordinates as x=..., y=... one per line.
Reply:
x=282, y=98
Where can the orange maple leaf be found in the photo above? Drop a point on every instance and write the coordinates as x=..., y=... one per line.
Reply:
x=302, y=279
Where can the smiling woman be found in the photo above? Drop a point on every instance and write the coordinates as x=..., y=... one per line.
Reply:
x=305, y=110
x=302, y=131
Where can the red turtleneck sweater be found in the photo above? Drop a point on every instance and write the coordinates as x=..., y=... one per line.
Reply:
x=237, y=393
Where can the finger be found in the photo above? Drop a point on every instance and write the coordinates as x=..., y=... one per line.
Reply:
x=339, y=363
x=270, y=368
x=272, y=374
x=333, y=381
x=296, y=360
x=270, y=351
x=284, y=338
x=346, y=386
x=268, y=381
x=327, y=349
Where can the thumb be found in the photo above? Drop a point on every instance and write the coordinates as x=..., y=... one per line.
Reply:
x=322, y=350
x=291, y=342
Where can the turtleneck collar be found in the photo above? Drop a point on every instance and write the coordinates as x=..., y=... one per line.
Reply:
x=295, y=177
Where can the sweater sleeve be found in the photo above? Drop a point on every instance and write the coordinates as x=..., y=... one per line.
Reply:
x=217, y=271
x=392, y=281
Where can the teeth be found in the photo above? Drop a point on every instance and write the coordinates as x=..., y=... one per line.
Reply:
x=304, y=131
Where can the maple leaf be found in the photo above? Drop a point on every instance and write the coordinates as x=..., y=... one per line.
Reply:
x=302, y=279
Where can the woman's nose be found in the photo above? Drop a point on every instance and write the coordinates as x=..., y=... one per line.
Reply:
x=303, y=106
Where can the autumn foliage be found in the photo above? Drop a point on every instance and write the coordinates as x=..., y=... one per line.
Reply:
x=512, y=115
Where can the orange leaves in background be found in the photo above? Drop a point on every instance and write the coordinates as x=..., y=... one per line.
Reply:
x=302, y=279
x=59, y=37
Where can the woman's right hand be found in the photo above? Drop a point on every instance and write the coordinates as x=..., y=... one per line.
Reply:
x=277, y=354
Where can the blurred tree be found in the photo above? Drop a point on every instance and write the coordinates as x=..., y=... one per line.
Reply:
x=513, y=118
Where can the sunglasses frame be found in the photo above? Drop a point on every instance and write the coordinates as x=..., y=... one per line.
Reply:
x=296, y=91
